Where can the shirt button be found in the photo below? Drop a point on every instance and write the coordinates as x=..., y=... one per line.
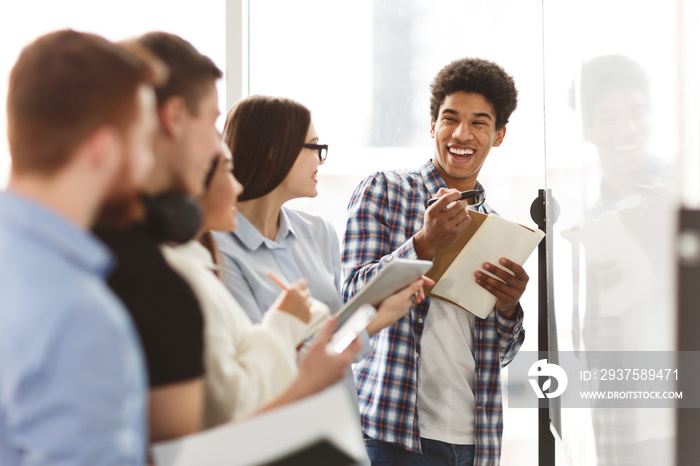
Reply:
x=420, y=320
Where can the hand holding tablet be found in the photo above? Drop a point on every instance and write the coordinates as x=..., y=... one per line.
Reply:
x=347, y=332
x=395, y=276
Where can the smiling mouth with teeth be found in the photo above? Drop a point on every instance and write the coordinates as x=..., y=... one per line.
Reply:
x=627, y=147
x=460, y=152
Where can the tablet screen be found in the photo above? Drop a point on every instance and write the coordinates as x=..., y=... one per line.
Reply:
x=397, y=275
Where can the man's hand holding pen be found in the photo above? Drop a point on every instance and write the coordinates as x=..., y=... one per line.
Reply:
x=442, y=224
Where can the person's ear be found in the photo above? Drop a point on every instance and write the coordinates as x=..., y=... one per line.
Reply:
x=102, y=150
x=500, y=134
x=432, y=128
x=172, y=115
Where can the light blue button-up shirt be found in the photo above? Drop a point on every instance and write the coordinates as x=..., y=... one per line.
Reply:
x=72, y=376
x=306, y=246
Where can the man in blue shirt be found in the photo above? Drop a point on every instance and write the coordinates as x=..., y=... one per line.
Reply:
x=81, y=116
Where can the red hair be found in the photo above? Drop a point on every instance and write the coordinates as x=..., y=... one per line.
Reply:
x=64, y=86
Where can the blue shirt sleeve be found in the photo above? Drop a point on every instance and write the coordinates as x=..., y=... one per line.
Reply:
x=79, y=398
x=237, y=284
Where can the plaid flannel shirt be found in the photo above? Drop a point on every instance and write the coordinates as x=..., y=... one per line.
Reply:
x=384, y=213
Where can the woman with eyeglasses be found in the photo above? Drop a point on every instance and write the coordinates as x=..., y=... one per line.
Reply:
x=276, y=155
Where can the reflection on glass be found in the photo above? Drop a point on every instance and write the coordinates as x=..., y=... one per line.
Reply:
x=626, y=234
x=624, y=240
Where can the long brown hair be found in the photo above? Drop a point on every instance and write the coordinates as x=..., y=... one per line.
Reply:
x=265, y=135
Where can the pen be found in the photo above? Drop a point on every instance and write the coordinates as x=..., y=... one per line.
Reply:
x=277, y=281
x=465, y=195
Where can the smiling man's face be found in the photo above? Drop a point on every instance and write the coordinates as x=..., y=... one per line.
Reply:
x=464, y=133
x=621, y=130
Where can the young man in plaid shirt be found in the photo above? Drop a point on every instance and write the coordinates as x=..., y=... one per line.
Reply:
x=430, y=390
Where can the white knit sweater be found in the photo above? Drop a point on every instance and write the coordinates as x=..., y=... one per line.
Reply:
x=246, y=364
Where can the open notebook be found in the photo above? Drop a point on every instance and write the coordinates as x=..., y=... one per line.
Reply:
x=486, y=239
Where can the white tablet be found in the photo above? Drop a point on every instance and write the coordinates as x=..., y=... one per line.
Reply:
x=398, y=274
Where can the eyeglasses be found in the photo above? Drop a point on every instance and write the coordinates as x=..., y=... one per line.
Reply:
x=321, y=148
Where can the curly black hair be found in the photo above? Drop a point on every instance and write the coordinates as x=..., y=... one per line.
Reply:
x=479, y=76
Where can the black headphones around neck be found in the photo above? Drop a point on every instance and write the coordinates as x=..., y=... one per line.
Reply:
x=173, y=217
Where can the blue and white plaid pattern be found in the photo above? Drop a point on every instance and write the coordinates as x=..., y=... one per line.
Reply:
x=384, y=213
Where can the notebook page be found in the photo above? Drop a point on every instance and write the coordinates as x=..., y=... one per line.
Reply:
x=496, y=238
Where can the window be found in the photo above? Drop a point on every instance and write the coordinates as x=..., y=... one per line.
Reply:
x=21, y=22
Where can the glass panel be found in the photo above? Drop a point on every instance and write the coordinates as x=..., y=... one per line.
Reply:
x=612, y=137
x=23, y=21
